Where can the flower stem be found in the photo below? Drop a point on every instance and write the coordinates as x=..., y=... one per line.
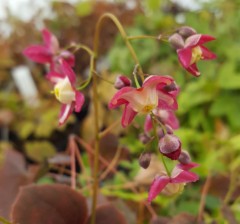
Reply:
x=155, y=133
x=89, y=75
x=142, y=37
x=84, y=47
x=123, y=34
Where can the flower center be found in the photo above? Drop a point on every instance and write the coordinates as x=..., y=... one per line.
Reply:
x=196, y=55
x=64, y=92
x=148, y=108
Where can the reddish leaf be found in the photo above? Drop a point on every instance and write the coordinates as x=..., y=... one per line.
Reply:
x=13, y=174
x=159, y=220
x=108, y=214
x=49, y=204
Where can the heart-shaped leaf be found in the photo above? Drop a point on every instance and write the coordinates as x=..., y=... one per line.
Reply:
x=108, y=214
x=49, y=204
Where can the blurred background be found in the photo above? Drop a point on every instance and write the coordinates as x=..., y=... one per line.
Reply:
x=209, y=106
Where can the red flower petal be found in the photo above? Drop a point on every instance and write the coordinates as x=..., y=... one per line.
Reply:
x=185, y=56
x=67, y=71
x=54, y=77
x=185, y=177
x=116, y=101
x=206, y=54
x=50, y=41
x=166, y=101
x=157, y=186
x=148, y=123
x=187, y=166
x=128, y=115
x=65, y=112
x=157, y=79
x=171, y=120
x=193, y=70
x=79, y=101
x=197, y=39
x=38, y=54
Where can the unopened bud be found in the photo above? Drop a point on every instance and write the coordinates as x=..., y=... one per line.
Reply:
x=184, y=157
x=161, y=132
x=171, y=87
x=176, y=41
x=144, y=160
x=144, y=138
x=186, y=31
x=122, y=81
x=170, y=146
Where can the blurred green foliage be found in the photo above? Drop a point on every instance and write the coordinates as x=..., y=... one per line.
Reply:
x=209, y=105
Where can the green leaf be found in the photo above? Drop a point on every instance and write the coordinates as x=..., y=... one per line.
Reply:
x=228, y=78
x=227, y=104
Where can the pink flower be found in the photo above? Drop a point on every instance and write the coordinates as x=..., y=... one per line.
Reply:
x=49, y=52
x=154, y=93
x=179, y=175
x=193, y=51
x=167, y=117
x=65, y=92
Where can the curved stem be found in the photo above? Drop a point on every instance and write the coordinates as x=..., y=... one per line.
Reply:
x=155, y=133
x=84, y=47
x=142, y=37
x=89, y=75
x=123, y=34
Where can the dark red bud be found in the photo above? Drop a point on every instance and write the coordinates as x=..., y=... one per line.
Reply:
x=144, y=160
x=176, y=41
x=169, y=145
x=171, y=87
x=160, y=132
x=122, y=81
x=184, y=157
x=186, y=31
x=144, y=138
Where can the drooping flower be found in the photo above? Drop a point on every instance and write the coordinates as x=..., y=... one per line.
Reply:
x=154, y=93
x=179, y=176
x=193, y=51
x=49, y=52
x=170, y=146
x=167, y=117
x=65, y=92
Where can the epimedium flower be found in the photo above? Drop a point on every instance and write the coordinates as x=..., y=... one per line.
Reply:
x=154, y=93
x=49, y=52
x=191, y=50
x=174, y=183
x=65, y=91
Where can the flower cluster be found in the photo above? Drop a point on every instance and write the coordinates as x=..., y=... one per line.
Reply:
x=60, y=75
x=156, y=99
x=190, y=49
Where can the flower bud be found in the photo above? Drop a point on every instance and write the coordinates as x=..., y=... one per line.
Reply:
x=122, y=81
x=186, y=31
x=144, y=160
x=176, y=41
x=184, y=157
x=171, y=87
x=170, y=146
x=144, y=138
x=161, y=133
